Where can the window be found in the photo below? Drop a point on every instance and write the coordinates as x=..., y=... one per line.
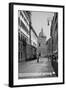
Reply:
x=19, y=21
x=19, y=36
x=39, y=44
x=24, y=27
x=56, y=26
x=40, y=54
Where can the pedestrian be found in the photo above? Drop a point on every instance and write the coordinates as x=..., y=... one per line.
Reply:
x=37, y=58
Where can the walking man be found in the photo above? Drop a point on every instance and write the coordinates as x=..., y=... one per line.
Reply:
x=37, y=57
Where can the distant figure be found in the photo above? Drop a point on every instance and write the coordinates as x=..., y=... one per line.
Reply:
x=37, y=58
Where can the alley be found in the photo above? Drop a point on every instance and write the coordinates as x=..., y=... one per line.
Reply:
x=32, y=69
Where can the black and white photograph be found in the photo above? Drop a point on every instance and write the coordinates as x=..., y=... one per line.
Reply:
x=37, y=44
x=37, y=47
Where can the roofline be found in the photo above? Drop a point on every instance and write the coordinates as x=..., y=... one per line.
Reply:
x=34, y=31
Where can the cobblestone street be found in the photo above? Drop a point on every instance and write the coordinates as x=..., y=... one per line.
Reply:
x=32, y=69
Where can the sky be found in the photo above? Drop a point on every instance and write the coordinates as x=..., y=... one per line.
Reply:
x=39, y=20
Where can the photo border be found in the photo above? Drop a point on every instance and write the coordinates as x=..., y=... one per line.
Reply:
x=11, y=41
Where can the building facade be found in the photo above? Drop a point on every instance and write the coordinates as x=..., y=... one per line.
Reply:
x=54, y=33
x=25, y=36
x=52, y=42
x=42, y=49
x=49, y=46
x=34, y=43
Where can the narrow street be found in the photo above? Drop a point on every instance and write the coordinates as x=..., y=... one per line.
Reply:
x=32, y=69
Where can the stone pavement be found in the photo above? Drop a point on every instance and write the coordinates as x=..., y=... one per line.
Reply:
x=32, y=69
